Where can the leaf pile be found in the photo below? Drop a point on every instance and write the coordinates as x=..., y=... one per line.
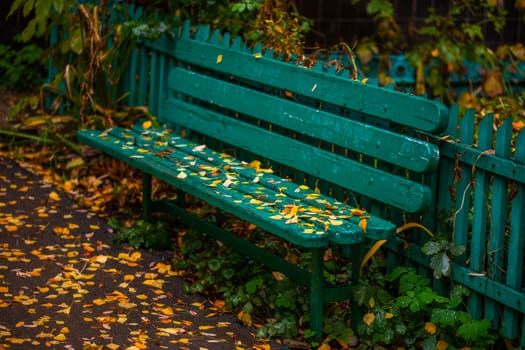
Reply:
x=63, y=286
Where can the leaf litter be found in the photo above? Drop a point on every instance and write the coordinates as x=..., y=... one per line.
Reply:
x=63, y=286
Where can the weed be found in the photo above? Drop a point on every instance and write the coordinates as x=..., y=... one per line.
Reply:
x=143, y=234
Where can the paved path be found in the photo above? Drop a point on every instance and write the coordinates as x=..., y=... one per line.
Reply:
x=64, y=286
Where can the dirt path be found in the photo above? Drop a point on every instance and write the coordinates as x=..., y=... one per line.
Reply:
x=63, y=285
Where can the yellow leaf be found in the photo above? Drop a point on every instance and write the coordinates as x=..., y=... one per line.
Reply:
x=441, y=345
x=369, y=318
x=371, y=253
x=357, y=212
x=245, y=318
x=205, y=327
x=61, y=230
x=168, y=310
x=414, y=225
x=20, y=324
x=257, y=55
x=68, y=186
x=389, y=315
x=60, y=337
x=126, y=305
x=66, y=310
x=54, y=196
x=154, y=283
x=371, y=302
x=324, y=347
x=146, y=124
x=219, y=59
x=430, y=328
x=336, y=222
x=113, y=346
x=362, y=224
x=99, y=302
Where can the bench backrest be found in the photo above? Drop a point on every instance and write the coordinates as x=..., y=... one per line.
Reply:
x=358, y=137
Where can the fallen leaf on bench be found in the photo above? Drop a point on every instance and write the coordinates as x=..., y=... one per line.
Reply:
x=362, y=224
x=312, y=195
x=219, y=59
x=182, y=175
x=146, y=124
x=199, y=148
x=357, y=212
x=336, y=222
x=293, y=220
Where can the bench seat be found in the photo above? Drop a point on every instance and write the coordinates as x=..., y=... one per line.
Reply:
x=291, y=211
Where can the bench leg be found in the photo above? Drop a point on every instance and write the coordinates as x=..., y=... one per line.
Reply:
x=146, y=196
x=358, y=251
x=316, y=292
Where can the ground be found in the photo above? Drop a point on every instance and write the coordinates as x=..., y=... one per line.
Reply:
x=65, y=285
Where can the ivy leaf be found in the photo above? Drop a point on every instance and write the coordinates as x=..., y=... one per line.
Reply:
x=474, y=330
x=432, y=247
x=444, y=317
x=440, y=263
x=457, y=250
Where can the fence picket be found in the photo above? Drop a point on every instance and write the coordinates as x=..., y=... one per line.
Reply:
x=481, y=209
x=461, y=221
x=496, y=245
x=516, y=247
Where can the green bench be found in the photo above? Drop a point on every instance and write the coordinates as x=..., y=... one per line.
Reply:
x=295, y=151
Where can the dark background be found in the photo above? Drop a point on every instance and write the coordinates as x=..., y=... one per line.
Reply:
x=339, y=20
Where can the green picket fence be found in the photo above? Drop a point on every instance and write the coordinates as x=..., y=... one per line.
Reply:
x=479, y=187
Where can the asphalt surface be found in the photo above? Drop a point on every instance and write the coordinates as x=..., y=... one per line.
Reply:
x=64, y=285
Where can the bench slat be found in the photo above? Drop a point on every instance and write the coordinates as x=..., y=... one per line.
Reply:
x=372, y=182
x=390, y=105
x=398, y=149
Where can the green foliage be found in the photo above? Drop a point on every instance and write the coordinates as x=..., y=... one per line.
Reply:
x=21, y=69
x=441, y=252
x=443, y=43
x=404, y=311
x=143, y=234
x=247, y=287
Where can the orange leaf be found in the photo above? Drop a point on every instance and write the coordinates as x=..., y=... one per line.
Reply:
x=362, y=224
x=54, y=196
x=430, y=328
x=369, y=318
